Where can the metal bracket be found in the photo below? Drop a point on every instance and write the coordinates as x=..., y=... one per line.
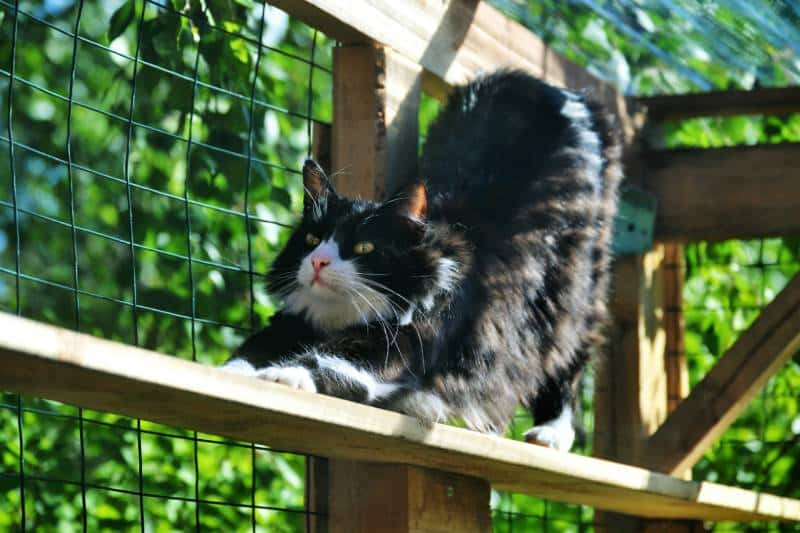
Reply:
x=635, y=222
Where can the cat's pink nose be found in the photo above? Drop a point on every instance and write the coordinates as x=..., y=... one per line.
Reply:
x=318, y=262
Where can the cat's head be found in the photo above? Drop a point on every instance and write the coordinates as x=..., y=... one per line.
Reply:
x=352, y=262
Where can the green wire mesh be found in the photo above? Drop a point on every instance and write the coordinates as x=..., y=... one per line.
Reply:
x=148, y=170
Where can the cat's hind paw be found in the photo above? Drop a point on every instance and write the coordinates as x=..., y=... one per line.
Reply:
x=558, y=437
x=296, y=377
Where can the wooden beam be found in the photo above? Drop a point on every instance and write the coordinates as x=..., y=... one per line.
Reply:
x=49, y=362
x=401, y=499
x=632, y=384
x=674, y=327
x=376, y=96
x=764, y=101
x=723, y=193
x=631, y=388
x=453, y=40
x=675, y=365
x=725, y=391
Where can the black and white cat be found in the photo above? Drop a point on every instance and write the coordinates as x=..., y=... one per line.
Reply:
x=478, y=288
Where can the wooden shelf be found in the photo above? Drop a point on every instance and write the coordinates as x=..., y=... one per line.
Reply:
x=738, y=192
x=49, y=362
x=763, y=101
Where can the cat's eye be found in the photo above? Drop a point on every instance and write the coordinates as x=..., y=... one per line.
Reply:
x=311, y=239
x=363, y=247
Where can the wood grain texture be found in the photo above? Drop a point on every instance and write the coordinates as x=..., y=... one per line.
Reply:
x=763, y=101
x=632, y=384
x=374, y=150
x=407, y=499
x=376, y=96
x=49, y=362
x=674, y=326
x=451, y=39
x=725, y=391
x=724, y=193
x=631, y=389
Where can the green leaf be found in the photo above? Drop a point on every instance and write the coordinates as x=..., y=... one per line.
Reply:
x=121, y=19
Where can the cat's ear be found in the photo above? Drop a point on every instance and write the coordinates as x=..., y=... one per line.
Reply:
x=317, y=186
x=410, y=201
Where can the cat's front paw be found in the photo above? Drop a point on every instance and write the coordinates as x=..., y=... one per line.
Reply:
x=296, y=377
x=558, y=437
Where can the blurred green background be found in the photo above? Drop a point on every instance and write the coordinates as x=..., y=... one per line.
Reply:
x=171, y=239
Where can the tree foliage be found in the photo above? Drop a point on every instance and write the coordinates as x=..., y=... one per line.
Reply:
x=135, y=177
x=139, y=200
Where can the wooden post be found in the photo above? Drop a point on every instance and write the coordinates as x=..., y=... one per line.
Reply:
x=632, y=383
x=390, y=498
x=644, y=375
x=677, y=371
x=374, y=150
x=375, y=120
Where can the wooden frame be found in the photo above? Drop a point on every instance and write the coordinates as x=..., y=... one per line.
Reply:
x=723, y=193
x=725, y=391
x=763, y=101
x=54, y=363
x=392, y=51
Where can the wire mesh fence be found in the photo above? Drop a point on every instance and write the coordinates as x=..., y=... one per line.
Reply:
x=149, y=156
x=727, y=286
x=148, y=171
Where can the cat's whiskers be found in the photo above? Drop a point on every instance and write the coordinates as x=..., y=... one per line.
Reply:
x=357, y=288
x=396, y=310
x=381, y=322
x=363, y=316
x=377, y=285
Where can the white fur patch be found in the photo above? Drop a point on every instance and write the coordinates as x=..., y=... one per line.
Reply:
x=574, y=109
x=239, y=366
x=557, y=433
x=589, y=145
x=340, y=300
x=446, y=274
x=297, y=377
x=408, y=316
x=375, y=388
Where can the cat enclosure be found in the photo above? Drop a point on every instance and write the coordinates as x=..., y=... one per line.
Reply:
x=188, y=238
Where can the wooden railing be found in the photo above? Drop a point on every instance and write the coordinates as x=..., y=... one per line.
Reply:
x=50, y=362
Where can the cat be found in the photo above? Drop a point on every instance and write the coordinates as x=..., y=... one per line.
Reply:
x=477, y=288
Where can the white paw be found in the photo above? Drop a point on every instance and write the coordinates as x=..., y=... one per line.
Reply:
x=296, y=377
x=239, y=366
x=557, y=437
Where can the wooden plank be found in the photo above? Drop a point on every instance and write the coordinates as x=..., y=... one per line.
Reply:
x=632, y=388
x=408, y=499
x=763, y=101
x=375, y=113
x=374, y=151
x=44, y=361
x=676, y=368
x=633, y=381
x=724, y=193
x=453, y=40
x=725, y=391
x=674, y=327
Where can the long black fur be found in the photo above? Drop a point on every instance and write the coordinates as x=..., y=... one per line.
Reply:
x=505, y=277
